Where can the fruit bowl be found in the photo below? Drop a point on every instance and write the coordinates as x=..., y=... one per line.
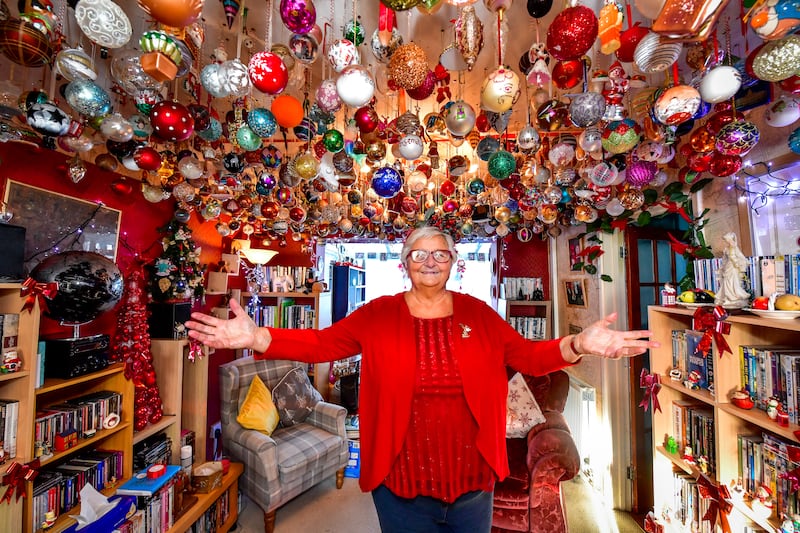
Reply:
x=776, y=314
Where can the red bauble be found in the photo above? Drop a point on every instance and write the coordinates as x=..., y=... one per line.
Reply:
x=572, y=33
x=447, y=188
x=721, y=118
x=149, y=378
x=140, y=416
x=482, y=123
x=568, y=74
x=628, y=40
x=699, y=162
x=156, y=414
x=268, y=73
x=425, y=89
x=122, y=186
x=723, y=165
x=366, y=119
x=171, y=121
x=147, y=158
x=791, y=84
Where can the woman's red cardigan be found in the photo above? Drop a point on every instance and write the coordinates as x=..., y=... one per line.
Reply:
x=382, y=331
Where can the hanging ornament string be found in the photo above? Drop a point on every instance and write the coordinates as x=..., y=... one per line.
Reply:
x=268, y=24
x=240, y=34
x=76, y=234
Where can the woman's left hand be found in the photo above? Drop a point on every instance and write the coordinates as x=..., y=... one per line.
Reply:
x=602, y=341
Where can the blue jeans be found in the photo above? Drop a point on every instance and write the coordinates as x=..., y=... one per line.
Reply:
x=470, y=513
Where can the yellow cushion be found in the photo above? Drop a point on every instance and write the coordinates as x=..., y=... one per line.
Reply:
x=258, y=412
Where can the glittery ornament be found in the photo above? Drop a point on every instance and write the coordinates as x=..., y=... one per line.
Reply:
x=469, y=35
x=262, y=122
x=778, y=60
x=87, y=98
x=383, y=52
x=587, y=109
x=425, y=89
x=386, y=182
x=299, y=16
x=737, y=138
x=501, y=164
x=621, y=136
x=333, y=140
x=723, y=165
x=572, y=33
x=408, y=66
x=355, y=86
x=631, y=198
x=639, y=173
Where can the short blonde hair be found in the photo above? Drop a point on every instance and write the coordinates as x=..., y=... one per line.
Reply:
x=426, y=232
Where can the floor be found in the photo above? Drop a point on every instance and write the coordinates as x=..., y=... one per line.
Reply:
x=323, y=509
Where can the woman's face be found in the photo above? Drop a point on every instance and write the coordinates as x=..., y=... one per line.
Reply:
x=429, y=273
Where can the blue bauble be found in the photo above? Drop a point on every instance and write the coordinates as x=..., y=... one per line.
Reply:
x=262, y=121
x=213, y=132
x=486, y=147
x=476, y=186
x=794, y=141
x=305, y=130
x=386, y=182
x=88, y=98
x=248, y=140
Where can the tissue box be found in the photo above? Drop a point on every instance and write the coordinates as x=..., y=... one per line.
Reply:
x=207, y=476
x=124, y=508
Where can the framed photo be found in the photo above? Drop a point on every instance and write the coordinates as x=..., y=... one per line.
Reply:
x=575, y=289
x=52, y=219
x=574, y=249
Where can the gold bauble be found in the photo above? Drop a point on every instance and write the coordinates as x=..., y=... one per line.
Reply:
x=408, y=66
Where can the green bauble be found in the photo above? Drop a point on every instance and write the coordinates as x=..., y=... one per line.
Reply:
x=354, y=32
x=333, y=141
x=501, y=164
x=476, y=186
x=248, y=139
x=400, y=5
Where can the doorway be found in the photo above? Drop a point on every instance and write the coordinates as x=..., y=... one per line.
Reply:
x=650, y=263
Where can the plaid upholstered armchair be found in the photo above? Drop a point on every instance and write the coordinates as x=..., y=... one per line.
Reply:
x=292, y=459
x=529, y=499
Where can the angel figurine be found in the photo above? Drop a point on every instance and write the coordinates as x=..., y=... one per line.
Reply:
x=731, y=294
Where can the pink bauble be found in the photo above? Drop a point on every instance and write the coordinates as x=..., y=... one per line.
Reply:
x=171, y=121
x=639, y=173
x=737, y=138
x=267, y=72
x=327, y=98
x=298, y=15
x=425, y=89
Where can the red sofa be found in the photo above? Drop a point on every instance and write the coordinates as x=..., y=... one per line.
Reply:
x=530, y=498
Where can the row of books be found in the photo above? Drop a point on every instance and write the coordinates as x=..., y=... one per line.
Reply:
x=518, y=288
x=9, y=332
x=688, y=507
x=9, y=415
x=56, y=488
x=530, y=327
x=155, y=500
x=287, y=315
x=156, y=449
x=771, y=372
x=696, y=368
x=86, y=415
x=764, y=275
x=762, y=460
x=215, y=516
x=693, y=430
x=275, y=277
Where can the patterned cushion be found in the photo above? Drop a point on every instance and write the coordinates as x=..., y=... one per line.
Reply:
x=522, y=411
x=258, y=410
x=295, y=397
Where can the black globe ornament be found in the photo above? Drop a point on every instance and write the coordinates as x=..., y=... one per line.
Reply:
x=89, y=284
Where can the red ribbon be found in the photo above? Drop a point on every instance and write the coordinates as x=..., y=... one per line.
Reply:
x=195, y=350
x=651, y=525
x=793, y=476
x=15, y=478
x=711, y=321
x=719, y=507
x=32, y=290
x=651, y=385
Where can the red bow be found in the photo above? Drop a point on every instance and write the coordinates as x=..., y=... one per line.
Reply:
x=711, y=321
x=793, y=476
x=16, y=476
x=719, y=507
x=32, y=290
x=443, y=93
x=651, y=385
x=195, y=350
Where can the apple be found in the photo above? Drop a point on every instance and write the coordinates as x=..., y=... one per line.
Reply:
x=761, y=302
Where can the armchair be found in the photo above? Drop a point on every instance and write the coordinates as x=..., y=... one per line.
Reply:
x=529, y=499
x=289, y=461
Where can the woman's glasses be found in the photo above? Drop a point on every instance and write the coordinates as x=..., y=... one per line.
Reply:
x=440, y=256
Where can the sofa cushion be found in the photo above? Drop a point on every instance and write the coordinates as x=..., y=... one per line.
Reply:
x=303, y=448
x=258, y=411
x=522, y=411
x=295, y=397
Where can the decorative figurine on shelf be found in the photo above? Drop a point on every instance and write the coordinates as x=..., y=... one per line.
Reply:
x=669, y=296
x=782, y=417
x=692, y=380
x=731, y=294
x=49, y=519
x=702, y=464
x=762, y=504
x=741, y=399
x=787, y=526
x=671, y=445
x=688, y=455
x=676, y=374
x=772, y=408
x=11, y=362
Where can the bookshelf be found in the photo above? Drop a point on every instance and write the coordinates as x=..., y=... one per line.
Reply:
x=230, y=484
x=320, y=303
x=19, y=386
x=349, y=289
x=516, y=312
x=729, y=421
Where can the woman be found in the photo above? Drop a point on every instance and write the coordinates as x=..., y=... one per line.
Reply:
x=432, y=407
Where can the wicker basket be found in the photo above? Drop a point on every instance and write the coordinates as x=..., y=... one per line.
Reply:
x=207, y=476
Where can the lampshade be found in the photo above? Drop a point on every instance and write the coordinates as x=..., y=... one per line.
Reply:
x=258, y=256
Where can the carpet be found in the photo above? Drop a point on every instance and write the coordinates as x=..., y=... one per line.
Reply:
x=323, y=509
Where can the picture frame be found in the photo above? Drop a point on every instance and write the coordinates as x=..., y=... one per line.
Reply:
x=64, y=216
x=575, y=292
x=574, y=246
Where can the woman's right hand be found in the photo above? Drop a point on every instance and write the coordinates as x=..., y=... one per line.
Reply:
x=234, y=333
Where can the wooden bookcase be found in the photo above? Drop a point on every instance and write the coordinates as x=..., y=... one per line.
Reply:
x=321, y=303
x=230, y=484
x=349, y=290
x=530, y=308
x=729, y=420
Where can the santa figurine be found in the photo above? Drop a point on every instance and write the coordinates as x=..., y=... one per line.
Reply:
x=614, y=92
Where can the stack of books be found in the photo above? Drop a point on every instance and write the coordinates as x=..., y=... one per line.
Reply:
x=155, y=497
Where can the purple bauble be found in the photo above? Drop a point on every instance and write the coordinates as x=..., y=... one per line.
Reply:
x=298, y=15
x=737, y=138
x=641, y=172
